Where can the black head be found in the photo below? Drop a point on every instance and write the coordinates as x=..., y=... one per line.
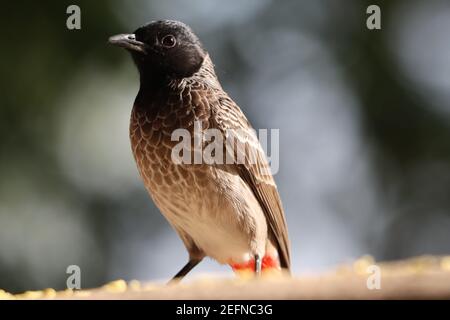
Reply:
x=163, y=48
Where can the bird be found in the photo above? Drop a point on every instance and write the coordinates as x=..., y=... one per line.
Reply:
x=230, y=212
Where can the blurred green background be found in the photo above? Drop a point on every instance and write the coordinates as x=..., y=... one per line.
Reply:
x=364, y=119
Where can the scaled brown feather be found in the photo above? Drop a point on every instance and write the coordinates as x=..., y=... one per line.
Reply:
x=256, y=174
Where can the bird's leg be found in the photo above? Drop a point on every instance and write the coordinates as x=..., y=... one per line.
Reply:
x=185, y=270
x=257, y=265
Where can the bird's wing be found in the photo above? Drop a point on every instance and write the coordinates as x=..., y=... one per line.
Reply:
x=254, y=171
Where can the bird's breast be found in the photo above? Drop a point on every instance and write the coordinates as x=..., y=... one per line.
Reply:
x=210, y=203
x=155, y=130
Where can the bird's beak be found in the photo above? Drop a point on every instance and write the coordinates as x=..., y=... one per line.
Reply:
x=128, y=41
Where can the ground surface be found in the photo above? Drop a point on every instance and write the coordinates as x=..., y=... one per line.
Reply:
x=424, y=277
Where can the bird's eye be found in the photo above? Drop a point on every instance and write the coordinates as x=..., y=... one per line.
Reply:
x=169, y=41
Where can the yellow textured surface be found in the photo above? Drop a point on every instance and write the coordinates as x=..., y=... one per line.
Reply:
x=421, y=277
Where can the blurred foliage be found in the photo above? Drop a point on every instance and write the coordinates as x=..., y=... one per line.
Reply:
x=405, y=131
x=38, y=59
x=41, y=55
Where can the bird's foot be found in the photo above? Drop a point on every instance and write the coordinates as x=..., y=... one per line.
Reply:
x=269, y=264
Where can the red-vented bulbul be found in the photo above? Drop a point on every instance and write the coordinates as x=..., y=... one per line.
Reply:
x=230, y=212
